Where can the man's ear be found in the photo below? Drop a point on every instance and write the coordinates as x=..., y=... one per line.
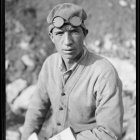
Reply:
x=51, y=36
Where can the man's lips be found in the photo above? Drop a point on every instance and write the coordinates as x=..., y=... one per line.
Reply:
x=69, y=50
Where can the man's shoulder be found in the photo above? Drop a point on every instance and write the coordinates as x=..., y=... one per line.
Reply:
x=102, y=68
x=52, y=58
x=50, y=62
x=100, y=63
x=99, y=60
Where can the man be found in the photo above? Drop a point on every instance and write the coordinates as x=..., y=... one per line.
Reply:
x=76, y=89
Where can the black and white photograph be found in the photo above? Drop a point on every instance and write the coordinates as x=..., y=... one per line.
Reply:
x=70, y=69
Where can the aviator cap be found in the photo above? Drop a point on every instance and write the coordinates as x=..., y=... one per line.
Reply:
x=66, y=11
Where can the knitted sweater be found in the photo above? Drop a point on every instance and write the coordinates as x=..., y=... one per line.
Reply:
x=90, y=102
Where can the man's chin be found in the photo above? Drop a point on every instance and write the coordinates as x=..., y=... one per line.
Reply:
x=68, y=56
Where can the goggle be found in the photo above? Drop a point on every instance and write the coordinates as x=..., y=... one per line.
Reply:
x=74, y=21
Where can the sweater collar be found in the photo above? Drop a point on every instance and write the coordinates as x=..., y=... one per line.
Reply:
x=62, y=66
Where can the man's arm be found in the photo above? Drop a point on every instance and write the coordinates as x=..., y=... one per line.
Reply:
x=38, y=107
x=109, y=111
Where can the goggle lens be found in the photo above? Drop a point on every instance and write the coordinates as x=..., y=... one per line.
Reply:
x=58, y=22
x=74, y=21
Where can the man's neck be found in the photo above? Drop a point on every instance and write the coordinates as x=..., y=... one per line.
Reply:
x=69, y=62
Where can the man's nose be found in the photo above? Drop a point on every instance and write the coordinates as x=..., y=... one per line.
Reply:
x=67, y=39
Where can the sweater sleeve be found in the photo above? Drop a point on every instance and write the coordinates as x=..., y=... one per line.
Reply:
x=109, y=109
x=37, y=108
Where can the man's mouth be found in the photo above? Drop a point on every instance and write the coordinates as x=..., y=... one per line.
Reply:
x=69, y=50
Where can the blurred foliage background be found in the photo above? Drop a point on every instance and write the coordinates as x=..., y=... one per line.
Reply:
x=112, y=28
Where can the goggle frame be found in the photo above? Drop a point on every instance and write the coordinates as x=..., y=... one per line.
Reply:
x=75, y=21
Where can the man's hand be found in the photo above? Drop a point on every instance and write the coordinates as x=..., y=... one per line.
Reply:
x=33, y=137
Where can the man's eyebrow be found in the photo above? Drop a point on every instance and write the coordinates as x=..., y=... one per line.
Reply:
x=63, y=29
x=74, y=28
x=58, y=31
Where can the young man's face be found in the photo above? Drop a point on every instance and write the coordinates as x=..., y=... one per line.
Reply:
x=69, y=43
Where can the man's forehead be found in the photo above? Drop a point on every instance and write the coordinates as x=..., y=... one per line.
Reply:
x=65, y=28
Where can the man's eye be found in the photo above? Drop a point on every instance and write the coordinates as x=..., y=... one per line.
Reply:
x=74, y=31
x=59, y=33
